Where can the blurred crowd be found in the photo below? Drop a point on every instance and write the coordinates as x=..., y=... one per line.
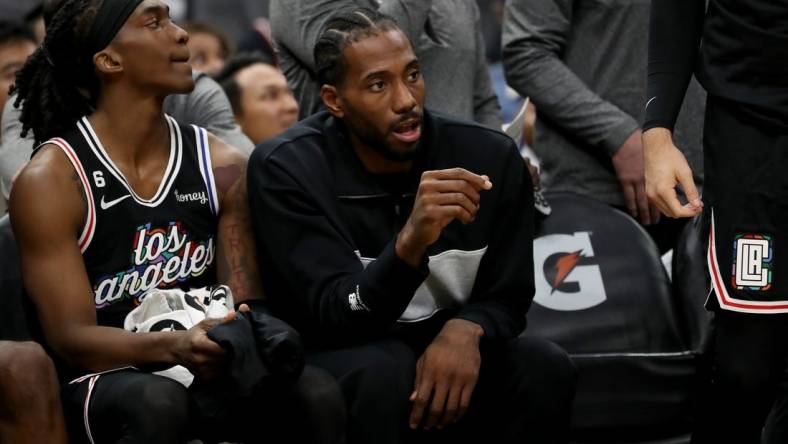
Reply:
x=584, y=70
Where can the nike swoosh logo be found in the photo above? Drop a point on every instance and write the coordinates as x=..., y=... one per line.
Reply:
x=112, y=203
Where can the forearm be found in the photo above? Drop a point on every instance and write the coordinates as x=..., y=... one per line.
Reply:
x=567, y=102
x=237, y=265
x=675, y=30
x=534, y=37
x=502, y=319
x=98, y=348
x=237, y=261
x=373, y=299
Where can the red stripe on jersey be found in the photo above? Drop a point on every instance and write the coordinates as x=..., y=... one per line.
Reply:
x=90, y=225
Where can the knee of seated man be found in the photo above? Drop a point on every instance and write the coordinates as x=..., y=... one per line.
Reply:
x=541, y=366
x=156, y=402
x=27, y=375
x=317, y=390
x=386, y=375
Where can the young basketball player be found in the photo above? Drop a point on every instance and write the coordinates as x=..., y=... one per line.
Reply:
x=120, y=199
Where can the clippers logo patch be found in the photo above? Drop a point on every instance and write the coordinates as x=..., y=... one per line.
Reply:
x=752, y=262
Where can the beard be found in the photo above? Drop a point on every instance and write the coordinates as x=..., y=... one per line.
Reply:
x=376, y=140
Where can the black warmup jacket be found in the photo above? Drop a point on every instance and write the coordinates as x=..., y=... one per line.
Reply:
x=326, y=230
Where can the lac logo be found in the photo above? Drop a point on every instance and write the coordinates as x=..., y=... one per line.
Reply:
x=752, y=262
x=567, y=278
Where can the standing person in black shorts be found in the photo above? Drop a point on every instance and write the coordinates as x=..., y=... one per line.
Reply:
x=742, y=65
x=120, y=199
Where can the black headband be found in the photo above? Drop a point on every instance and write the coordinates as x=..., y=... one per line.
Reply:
x=110, y=18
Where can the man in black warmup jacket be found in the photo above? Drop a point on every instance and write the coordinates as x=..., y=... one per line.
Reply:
x=399, y=242
x=742, y=65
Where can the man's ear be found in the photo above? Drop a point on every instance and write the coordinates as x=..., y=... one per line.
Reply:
x=332, y=101
x=108, y=62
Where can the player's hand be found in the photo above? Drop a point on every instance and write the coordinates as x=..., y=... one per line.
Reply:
x=197, y=352
x=443, y=196
x=666, y=167
x=446, y=375
x=628, y=163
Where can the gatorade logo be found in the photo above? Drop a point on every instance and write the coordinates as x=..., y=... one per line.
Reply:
x=567, y=278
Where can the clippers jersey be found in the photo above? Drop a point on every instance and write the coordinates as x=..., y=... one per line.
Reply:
x=131, y=245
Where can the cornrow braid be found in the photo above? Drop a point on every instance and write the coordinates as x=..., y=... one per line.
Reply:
x=346, y=27
x=58, y=84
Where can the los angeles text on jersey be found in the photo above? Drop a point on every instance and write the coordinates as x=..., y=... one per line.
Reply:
x=160, y=258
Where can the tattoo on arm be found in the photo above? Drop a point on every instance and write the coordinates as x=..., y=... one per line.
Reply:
x=237, y=256
x=226, y=177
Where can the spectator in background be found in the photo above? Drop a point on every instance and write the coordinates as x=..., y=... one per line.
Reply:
x=585, y=70
x=446, y=36
x=234, y=17
x=35, y=21
x=210, y=48
x=19, y=10
x=262, y=102
x=259, y=41
x=17, y=42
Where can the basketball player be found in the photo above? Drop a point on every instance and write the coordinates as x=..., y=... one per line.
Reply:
x=119, y=199
x=742, y=65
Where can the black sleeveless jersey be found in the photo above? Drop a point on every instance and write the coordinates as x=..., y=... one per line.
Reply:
x=131, y=245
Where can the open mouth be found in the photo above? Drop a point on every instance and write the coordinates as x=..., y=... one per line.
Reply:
x=181, y=58
x=408, y=131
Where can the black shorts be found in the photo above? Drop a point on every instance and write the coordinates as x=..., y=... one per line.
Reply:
x=128, y=405
x=746, y=201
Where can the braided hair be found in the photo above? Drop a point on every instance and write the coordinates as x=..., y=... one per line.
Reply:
x=58, y=83
x=348, y=26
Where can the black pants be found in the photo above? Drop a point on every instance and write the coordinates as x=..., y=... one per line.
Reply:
x=748, y=370
x=746, y=192
x=524, y=393
x=130, y=406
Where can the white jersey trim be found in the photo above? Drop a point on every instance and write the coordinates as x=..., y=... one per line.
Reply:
x=89, y=227
x=206, y=167
x=170, y=173
x=86, y=411
x=93, y=379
